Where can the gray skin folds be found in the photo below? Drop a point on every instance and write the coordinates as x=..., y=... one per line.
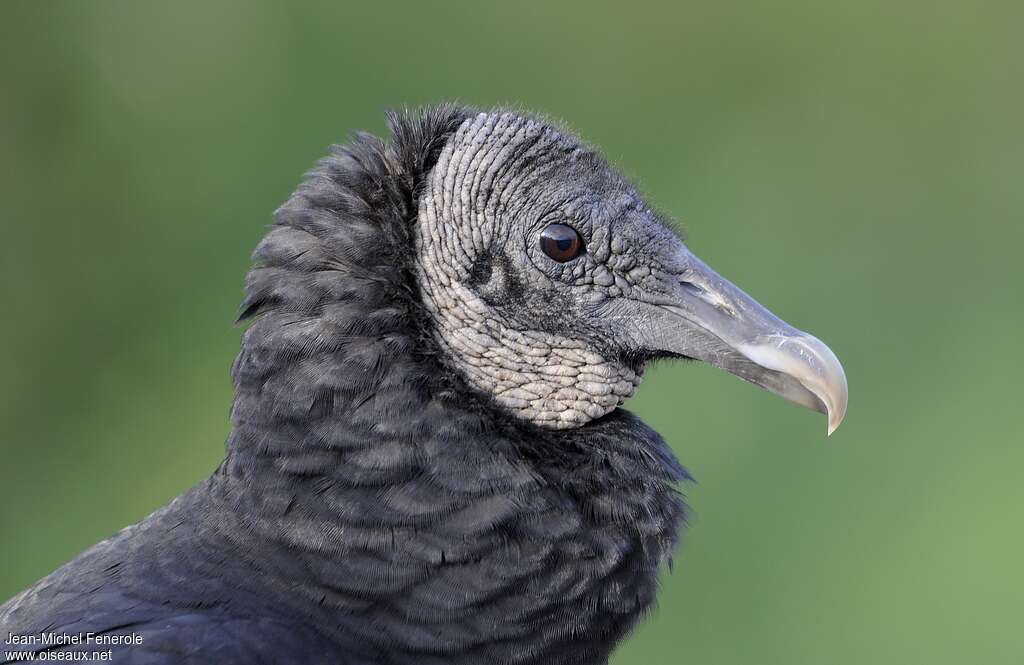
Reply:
x=518, y=325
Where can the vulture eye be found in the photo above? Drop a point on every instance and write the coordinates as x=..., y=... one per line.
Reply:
x=561, y=242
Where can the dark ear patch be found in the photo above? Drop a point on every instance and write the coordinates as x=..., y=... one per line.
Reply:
x=494, y=278
x=481, y=271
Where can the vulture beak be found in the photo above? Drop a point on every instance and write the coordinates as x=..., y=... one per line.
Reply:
x=708, y=318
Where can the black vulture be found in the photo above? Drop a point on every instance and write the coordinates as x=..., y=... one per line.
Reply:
x=428, y=462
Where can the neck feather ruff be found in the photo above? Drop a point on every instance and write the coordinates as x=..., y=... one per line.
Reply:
x=428, y=523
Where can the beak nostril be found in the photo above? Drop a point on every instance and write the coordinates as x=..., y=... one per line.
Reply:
x=693, y=288
x=710, y=297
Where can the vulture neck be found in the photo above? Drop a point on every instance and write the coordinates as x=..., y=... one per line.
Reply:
x=422, y=523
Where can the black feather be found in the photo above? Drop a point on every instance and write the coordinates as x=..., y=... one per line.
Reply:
x=371, y=507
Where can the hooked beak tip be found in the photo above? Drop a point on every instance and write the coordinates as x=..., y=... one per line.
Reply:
x=833, y=424
x=817, y=379
x=837, y=412
x=830, y=386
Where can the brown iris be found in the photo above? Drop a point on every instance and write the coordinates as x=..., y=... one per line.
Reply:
x=561, y=242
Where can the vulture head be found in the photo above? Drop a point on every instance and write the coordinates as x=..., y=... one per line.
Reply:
x=425, y=414
x=551, y=284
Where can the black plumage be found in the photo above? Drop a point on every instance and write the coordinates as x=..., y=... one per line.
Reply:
x=427, y=463
x=371, y=508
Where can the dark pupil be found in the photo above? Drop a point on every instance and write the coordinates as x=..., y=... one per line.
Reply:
x=560, y=242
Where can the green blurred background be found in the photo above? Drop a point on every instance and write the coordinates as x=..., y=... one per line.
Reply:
x=855, y=166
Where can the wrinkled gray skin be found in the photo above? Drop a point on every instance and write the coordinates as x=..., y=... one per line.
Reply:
x=523, y=327
x=561, y=344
